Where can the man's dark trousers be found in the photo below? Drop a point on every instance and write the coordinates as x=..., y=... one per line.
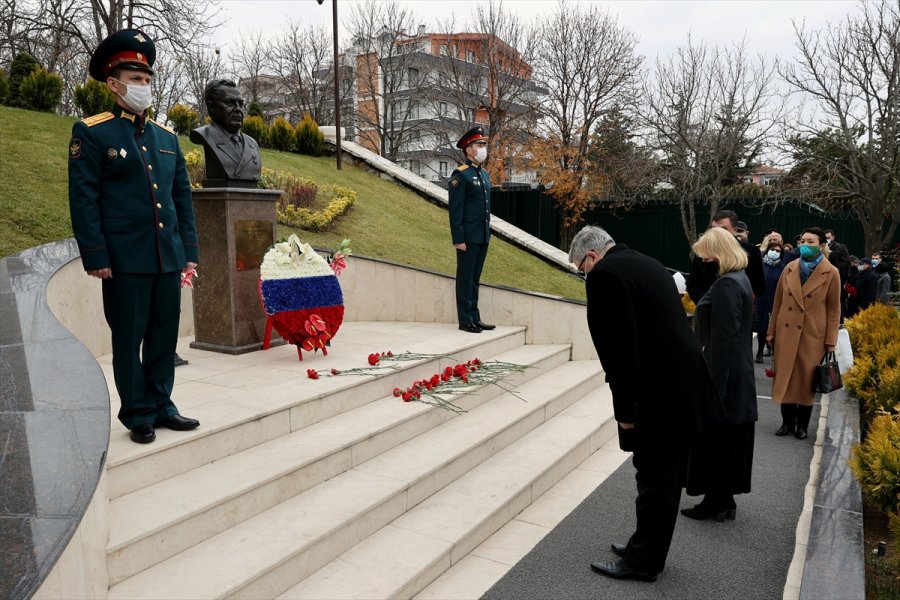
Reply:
x=660, y=470
x=469, y=264
x=144, y=307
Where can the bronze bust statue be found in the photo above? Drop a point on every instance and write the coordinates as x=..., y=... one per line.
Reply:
x=232, y=157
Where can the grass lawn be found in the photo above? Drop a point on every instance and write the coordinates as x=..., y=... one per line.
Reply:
x=387, y=221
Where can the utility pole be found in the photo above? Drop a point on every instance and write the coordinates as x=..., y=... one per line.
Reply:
x=337, y=95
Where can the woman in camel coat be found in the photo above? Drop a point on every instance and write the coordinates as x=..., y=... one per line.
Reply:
x=804, y=325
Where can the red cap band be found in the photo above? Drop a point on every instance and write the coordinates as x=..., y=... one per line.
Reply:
x=126, y=57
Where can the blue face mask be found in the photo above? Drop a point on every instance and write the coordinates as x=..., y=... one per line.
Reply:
x=809, y=252
x=773, y=254
x=875, y=262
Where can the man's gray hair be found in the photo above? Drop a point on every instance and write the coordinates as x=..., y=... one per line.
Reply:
x=589, y=238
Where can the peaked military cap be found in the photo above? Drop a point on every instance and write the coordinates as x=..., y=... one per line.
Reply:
x=472, y=135
x=126, y=49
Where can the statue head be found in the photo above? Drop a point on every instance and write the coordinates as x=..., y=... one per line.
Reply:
x=225, y=104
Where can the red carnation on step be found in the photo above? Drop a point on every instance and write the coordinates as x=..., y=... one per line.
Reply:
x=312, y=374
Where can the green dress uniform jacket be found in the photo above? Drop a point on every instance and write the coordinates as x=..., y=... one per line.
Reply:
x=470, y=223
x=470, y=205
x=129, y=195
x=130, y=201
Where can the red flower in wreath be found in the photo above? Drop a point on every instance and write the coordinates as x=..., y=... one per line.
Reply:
x=374, y=358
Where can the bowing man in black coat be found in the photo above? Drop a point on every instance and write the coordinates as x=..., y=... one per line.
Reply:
x=659, y=381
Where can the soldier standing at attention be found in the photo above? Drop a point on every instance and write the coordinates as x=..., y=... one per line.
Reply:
x=470, y=226
x=130, y=201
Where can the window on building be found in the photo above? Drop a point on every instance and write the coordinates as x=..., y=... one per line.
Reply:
x=412, y=77
x=455, y=51
x=414, y=166
x=444, y=50
x=442, y=168
x=442, y=109
x=470, y=56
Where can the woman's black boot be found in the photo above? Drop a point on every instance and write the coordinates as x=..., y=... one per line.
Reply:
x=788, y=419
x=761, y=343
x=803, y=414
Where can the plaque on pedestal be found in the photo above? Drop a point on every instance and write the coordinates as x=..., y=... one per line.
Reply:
x=235, y=227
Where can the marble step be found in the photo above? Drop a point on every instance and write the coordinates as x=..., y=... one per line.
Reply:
x=272, y=551
x=193, y=506
x=402, y=558
x=264, y=395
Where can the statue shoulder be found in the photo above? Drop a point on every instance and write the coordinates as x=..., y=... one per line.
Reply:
x=97, y=119
x=163, y=127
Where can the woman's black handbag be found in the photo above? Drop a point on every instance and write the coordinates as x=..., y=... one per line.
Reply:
x=827, y=377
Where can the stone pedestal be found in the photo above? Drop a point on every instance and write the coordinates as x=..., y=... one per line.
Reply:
x=235, y=227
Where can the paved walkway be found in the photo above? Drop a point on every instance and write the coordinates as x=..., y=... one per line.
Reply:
x=747, y=558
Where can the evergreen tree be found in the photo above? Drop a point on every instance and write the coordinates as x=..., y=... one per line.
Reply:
x=22, y=66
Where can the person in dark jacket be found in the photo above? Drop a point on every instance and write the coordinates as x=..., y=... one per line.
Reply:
x=866, y=284
x=883, y=281
x=704, y=274
x=659, y=381
x=773, y=265
x=721, y=459
x=470, y=226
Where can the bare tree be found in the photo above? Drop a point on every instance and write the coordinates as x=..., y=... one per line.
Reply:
x=709, y=114
x=301, y=58
x=393, y=66
x=588, y=66
x=848, y=149
x=250, y=58
x=201, y=65
x=487, y=77
x=168, y=83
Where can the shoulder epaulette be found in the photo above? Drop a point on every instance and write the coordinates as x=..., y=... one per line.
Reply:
x=95, y=119
x=163, y=127
x=462, y=167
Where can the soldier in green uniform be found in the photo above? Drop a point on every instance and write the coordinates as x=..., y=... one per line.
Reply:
x=470, y=226
x=130, y=201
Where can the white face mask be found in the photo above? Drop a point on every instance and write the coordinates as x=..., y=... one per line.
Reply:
x=773, y=254
x=860, y=267
x=480, y=155
x=137, y=97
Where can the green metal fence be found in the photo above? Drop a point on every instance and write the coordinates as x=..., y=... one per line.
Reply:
x=655, y=227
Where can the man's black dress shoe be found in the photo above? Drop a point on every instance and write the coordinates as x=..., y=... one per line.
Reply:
x=619, y=548
x=179, y=361
x=485, y=326
x=470, y=327
x=620, y=570
x=801, y=433
x=179, y=423
x=701, y=513
x=142, y=434
x=759, y=359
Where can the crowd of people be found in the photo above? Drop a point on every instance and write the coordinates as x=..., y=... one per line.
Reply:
x=691, y=425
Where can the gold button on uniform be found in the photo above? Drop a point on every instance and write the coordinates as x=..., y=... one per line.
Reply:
x=144, y=148
x=161, y=225
x=155, y=187
x=158, y=205
x=149, y=167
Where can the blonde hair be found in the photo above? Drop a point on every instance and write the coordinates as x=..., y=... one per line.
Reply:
x=723, y=247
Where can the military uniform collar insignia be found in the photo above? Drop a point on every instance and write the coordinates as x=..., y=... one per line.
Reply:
x=124, y=113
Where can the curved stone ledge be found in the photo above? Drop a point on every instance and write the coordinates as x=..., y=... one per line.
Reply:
x=835, y=557
x=54, y=422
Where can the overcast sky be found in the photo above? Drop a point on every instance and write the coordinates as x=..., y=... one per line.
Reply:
x=660, y=25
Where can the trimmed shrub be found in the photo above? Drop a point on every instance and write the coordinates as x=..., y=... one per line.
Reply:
x=256, y=128
x=4, y=88
x=41, y=91
x=195, y=161
x=183, y=119
x=22, y=66
x=340, y=202
x=93, y=97
x=255, y=110
x=309, y=139
x=876, y=462
x=281, y=135
x=874, y=377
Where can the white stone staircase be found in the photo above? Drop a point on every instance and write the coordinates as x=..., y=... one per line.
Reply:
x=334, y=488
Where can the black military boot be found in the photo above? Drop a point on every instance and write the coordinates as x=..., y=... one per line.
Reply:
x=788, y=419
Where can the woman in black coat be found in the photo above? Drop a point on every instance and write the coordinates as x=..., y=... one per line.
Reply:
x=721, y=459
x=773, y=265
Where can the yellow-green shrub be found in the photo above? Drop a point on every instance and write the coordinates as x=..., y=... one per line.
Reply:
x=281, y=135
x=341, y=200
x=873, y=328
x=256, y=128
x=196, y=167
x=876, y=462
